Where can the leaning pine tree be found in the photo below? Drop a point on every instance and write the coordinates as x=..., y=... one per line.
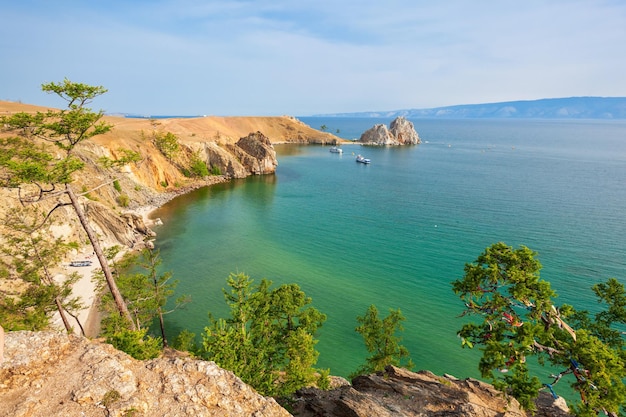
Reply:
x=31, y=166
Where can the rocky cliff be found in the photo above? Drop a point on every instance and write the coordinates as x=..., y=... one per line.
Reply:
x=51, y=374
x=54, y=374
x=400, y=132
x=230, y=147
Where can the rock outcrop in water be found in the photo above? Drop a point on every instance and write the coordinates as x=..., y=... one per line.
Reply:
x=400, y=132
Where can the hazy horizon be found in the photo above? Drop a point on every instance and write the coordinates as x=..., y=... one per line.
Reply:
x=278, y=57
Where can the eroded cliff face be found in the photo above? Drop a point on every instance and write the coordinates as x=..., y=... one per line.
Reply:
x=53, y=374
x=231, y=147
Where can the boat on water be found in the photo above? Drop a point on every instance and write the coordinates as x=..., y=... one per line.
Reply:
x=362, y=160
x=80, y=263
x=335, y=149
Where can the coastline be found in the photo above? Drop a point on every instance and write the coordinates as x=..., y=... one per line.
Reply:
x=85, y=289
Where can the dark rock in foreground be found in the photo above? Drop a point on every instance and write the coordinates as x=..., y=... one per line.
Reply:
x=398, y=392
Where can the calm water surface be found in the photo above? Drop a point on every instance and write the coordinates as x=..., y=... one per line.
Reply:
x=395, y=233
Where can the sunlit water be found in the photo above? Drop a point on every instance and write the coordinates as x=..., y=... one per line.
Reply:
x=397, y=232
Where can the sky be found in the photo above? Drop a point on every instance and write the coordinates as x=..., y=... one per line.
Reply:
x=308, y=57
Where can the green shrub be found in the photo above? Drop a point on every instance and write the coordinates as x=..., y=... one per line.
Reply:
x=167, y=144
x=117, y=186
x=186, y=342
x=136, y=343
x=123, y=200
x=198, y=168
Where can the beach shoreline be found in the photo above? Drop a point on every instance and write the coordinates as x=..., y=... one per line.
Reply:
x=85, y=289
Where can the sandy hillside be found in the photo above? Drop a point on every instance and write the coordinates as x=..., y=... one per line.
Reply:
x=221, y=129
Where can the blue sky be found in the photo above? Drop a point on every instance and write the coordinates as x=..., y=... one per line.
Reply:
x=304, y=57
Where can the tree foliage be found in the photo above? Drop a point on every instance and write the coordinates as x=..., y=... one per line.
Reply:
x=28, y=257
x=381, y=341
x=268, y=340
x=517, y=320
x=39, y=172
x=167, y=144
x=146, y=291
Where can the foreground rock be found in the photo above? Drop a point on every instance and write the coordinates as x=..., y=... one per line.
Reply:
x=400, y=132
x=398, y=392
x=53, y=374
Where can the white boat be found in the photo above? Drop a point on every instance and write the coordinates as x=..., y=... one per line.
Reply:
x=362, y=160
x=335, y=149
x=80, y=263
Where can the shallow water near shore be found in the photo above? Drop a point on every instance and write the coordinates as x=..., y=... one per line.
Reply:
x=397, y=232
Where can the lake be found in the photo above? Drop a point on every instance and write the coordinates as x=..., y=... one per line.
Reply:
x=397, y=232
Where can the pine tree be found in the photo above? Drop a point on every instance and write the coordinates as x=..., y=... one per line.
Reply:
x=39, y=173
x=381, y=341
x=268, y=340
x=518, y=320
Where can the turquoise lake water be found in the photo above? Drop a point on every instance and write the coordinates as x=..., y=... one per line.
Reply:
x=397, y=232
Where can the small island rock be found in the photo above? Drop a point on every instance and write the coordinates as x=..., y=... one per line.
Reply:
x=400, y=132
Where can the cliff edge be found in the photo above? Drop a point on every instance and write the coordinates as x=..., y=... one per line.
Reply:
x=55, y=374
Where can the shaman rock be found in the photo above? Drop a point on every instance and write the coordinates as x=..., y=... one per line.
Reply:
x=404, y=132
x=401, y=132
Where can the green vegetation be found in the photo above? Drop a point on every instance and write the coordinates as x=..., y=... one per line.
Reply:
x=381, y=341
x=137, y=343
x=146, y=293
x=268, y=341
x=38, y=171
x=518, y=320
x=197, y=167
x=123, y=200
x=28, y=256
x=127, y=157
x=215, y=170
x=167, y=144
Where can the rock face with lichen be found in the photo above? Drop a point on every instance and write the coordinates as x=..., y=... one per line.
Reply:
x=400, y=132
x=53, y=374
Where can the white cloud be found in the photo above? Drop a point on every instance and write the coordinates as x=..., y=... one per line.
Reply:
x=284, y=57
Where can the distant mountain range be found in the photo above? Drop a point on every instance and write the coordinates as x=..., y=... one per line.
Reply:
x=548, y=108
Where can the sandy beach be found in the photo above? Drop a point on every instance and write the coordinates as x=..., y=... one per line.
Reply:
x=85, y=287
